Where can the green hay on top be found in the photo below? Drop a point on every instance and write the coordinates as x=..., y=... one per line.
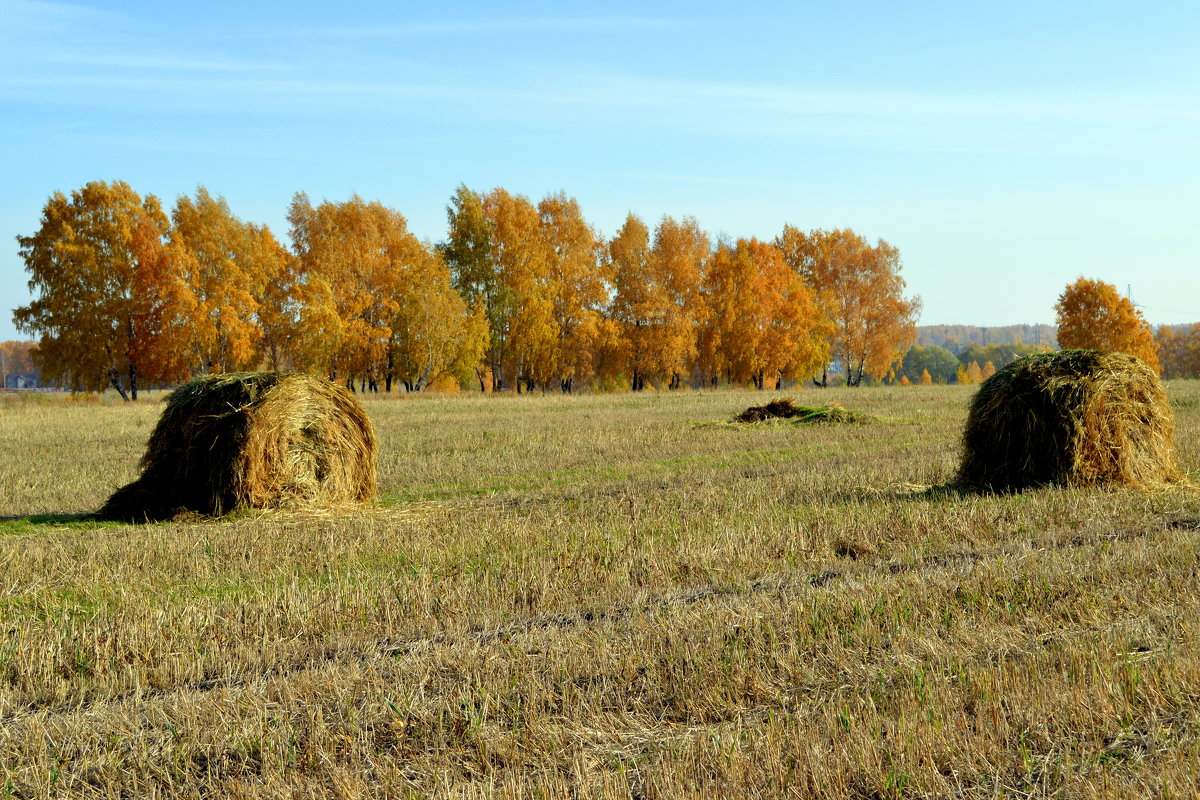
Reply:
x=252, y=440
x=1071, y=418
x=785, y=408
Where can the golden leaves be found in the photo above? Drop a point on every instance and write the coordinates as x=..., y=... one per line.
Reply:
x=1093, y=315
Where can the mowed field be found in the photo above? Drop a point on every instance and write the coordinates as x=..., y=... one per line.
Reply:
x=608, y=596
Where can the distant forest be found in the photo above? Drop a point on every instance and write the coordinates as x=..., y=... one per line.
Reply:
x=957, y=337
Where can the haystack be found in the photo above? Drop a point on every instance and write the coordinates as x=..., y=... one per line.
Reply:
x=252, y=440
x=1071, y=418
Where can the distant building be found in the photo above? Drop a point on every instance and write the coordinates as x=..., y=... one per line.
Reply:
x=21, y=380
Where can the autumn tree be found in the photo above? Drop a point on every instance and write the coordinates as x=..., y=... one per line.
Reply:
x=229, y=264
x=279, y=309
x=348, y=254
x=1091, y=314
x=657, y=297
x=639, y=304
x=862, y=294
x=579, y=292
x=106, y=290
x=433, y=332
x=374, y=303
x=468, y=254
x=525, y=343
x=679, y=258
x=763, y=322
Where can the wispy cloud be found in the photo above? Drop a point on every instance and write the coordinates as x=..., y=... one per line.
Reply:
x=151, y=62
x=475, y=27
x=27, y=16
x=1117, y=125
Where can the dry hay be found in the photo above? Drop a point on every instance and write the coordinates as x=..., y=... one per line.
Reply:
x=252, y=440
x=785, y=408
x=1071, y=418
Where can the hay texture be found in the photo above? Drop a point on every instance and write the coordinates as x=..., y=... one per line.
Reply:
x=252, y=440
x=785, y=408
x=1071, y=418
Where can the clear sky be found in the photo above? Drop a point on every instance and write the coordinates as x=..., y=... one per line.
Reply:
x=1005, y=148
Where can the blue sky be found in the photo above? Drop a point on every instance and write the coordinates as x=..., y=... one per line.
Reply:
x=1005, y=148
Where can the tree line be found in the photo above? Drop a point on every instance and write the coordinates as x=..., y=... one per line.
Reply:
x=519, y=296
x=955, y=337
x=1179, y=350
x=975, y=363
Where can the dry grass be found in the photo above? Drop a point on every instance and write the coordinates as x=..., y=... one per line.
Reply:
x=603, y=597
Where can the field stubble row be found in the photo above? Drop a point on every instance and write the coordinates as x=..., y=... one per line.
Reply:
x=602, y=596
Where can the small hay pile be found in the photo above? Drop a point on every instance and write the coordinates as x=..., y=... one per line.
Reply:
x=784, y=408
x=1071, y=418
x=252, y=440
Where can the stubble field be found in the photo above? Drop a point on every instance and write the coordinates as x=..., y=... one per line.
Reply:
x=602, y=596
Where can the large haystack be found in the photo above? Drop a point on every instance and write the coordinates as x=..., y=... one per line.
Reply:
x=252, y=440
x=1072, y=418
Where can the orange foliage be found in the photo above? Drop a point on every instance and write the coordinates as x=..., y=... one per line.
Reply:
x=228, y=264
x=764, y=323
x=861, y=291
x=658, y=301
x=1093, y=315
x=107, y=290
x=519, y=296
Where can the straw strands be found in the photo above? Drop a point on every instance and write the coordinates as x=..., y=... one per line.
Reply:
x=252, y=440
x=1070, y=418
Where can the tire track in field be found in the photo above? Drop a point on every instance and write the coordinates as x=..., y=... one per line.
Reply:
x=482, y=636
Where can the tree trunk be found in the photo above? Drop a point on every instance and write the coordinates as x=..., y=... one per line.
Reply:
x=862, y=362
x=132, y=381
x=115, y=378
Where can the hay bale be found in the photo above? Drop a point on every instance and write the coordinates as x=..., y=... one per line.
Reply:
x=252, y=440
x=1071, y=418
